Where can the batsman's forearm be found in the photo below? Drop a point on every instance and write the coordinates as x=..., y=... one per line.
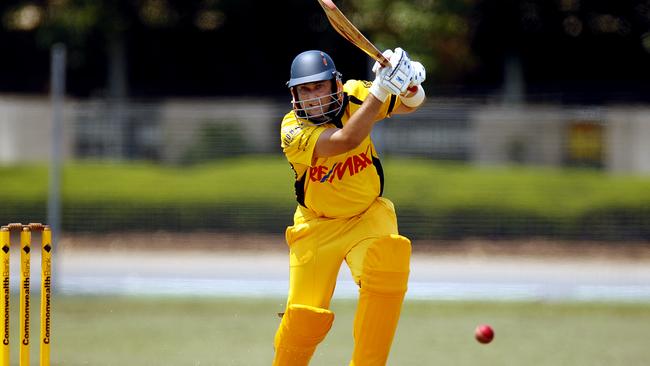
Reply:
x=360, y=124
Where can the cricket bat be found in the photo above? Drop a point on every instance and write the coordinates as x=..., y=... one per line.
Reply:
x=345, y=28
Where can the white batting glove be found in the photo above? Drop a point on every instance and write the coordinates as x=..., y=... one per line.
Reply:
x=415, y=95
x=377, y=89
x=394, y=79
x=419, y=74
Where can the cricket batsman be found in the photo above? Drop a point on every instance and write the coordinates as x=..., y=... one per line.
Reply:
x=341, y=214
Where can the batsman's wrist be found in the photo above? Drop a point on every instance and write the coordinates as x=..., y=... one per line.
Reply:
x=414, y=100
x=379, y=92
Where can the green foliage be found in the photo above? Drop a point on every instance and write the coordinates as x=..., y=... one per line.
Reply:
x=255, y=194
x=451, y=200
x=436, y=33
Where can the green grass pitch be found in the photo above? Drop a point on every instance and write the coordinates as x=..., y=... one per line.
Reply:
x=218, y=331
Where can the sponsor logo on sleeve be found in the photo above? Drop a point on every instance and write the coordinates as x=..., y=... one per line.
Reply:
x=289, y=133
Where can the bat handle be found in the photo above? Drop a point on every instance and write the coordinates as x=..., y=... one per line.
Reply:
x=383, y=61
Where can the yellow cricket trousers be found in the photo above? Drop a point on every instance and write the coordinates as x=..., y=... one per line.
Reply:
x=318, y=246
x=379, y=262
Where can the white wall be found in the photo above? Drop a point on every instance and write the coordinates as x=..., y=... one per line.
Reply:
x=26, y=127
x=533, y=134
x=628, y=139
x=541, y=131
x=26, y=124
x=182, y=118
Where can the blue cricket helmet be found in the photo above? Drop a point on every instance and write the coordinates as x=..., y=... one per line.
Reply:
x=310, y=66
x=313, y=66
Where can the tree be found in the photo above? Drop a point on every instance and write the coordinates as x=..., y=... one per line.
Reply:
x=88, y=27
x=436, y=32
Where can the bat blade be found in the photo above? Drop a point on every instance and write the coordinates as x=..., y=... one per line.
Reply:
x=328, y=3
x=345, y=28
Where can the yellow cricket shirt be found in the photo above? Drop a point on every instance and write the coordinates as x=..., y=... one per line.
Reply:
x=338, y=186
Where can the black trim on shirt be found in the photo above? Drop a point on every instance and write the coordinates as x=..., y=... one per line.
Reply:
x=299, y=185
x=393, y=99
x=336, y=120
x=355, y=100
x=380, y=171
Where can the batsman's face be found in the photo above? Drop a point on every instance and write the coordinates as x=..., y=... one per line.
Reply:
x=314, y=96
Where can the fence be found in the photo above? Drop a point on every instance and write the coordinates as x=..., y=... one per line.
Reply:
x=154, y=143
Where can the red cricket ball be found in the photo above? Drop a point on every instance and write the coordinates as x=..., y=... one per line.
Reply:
x=484, y=333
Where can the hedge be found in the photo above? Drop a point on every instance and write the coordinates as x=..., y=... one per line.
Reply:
x=255, y=194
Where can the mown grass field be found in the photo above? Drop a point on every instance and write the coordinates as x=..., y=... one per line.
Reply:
x=213, y=331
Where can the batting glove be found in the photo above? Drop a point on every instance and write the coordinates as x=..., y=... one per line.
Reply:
x=394, y=79
x=419, y=74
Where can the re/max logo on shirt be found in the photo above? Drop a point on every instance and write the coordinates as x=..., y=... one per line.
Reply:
x=352, y=165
